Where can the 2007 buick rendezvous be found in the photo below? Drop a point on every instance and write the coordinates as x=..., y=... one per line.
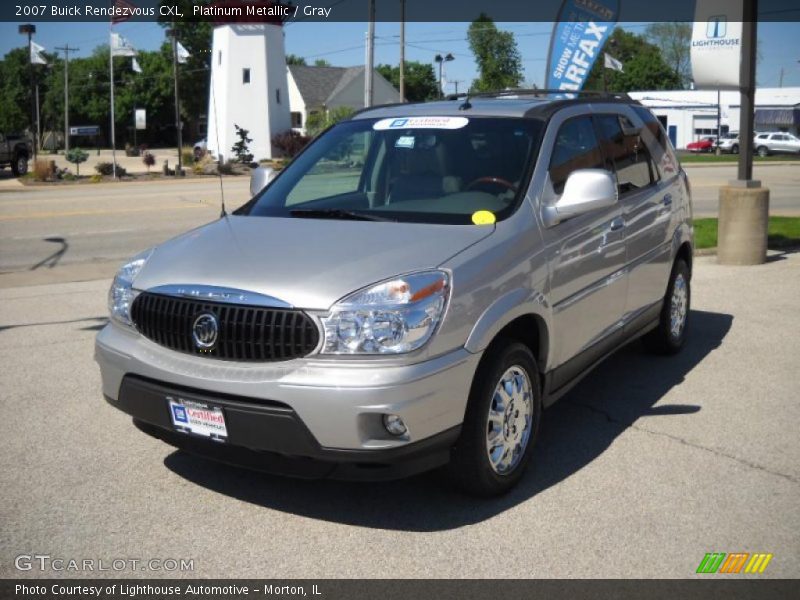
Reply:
x=410, y=291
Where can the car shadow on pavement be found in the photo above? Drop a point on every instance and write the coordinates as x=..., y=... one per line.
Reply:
x=576, y=430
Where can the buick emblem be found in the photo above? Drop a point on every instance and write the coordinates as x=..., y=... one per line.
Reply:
x=205, y=330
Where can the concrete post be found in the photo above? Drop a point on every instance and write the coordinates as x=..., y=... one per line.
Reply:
x=742, y=227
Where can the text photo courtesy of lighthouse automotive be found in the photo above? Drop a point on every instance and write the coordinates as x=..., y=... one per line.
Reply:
x=378, y=289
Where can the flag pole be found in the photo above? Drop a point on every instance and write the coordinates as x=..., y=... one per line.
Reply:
x=111, y=75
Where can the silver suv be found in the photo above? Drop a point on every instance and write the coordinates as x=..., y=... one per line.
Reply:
x=410, y=291
x=778, y=142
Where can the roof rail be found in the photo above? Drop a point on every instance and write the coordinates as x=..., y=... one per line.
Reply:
x=542, y=92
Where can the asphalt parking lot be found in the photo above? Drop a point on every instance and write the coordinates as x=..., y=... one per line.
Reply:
x=642, y=469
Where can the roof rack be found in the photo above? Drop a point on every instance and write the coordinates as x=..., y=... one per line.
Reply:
x=542, y=92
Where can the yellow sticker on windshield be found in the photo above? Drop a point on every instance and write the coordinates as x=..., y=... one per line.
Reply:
x=483, y=217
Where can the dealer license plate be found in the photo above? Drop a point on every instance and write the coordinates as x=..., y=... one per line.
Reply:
x=198, y=418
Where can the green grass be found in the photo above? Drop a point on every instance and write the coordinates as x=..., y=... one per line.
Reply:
x=733, y=158
x=782, y=232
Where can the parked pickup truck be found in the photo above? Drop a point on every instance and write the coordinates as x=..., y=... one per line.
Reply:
x=15, y=150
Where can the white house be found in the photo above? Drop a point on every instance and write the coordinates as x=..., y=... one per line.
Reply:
x=248, y=87
x=318, y=89
x=689, y=115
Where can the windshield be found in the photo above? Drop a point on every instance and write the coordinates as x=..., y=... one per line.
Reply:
x=417, y=169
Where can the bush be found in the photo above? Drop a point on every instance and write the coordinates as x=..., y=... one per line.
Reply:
x=76, y=156
x=319, y=121
x=187, y=156
x=226, y=168
x=42, y=170
x=107, y=168
x=131, y=150
x=241, y=148
x=290, y=142
x=149, y=160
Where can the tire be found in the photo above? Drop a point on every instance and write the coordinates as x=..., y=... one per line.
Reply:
x=19, y=166
x=762, y=151
x=735, y=149
x=198, y=153
x=669, y=336
x=471, y=467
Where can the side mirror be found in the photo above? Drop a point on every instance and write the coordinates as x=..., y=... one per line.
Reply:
x=259, y=179
x=586, y=190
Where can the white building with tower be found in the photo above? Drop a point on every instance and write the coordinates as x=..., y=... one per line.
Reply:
x=248, y=88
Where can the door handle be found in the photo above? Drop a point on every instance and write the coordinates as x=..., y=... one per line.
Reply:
x=667, y=200
x=617, y=224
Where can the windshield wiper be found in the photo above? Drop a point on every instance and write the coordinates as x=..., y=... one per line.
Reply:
x=337, y=213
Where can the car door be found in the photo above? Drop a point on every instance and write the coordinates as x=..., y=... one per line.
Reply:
x=646, y=202
x=586, y=253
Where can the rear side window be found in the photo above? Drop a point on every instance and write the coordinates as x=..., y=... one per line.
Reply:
x=576, y=147
x=655, y=136
x=627, y=153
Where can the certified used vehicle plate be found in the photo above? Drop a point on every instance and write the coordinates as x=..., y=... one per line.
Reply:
x=197, y=417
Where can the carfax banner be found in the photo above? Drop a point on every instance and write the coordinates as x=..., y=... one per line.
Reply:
x=580, y=31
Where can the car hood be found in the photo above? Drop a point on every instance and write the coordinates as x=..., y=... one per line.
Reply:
x=308, y=263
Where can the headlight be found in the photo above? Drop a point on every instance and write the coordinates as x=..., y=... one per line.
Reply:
x=121, y=294
x=390, y=317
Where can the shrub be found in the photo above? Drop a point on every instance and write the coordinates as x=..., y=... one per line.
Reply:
x=290, y=142
x=226, y=168
x=107, y=168
x=96, y=178
x=76, y=156
x=319, y=121
x=241, y=148
x=131, y=150
x=149, y=160
x=187, y=156
x=42, y=170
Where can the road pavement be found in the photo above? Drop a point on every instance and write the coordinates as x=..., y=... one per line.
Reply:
x=80, y=232
x=643, y=468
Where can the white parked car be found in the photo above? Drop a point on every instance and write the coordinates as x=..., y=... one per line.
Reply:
x=729, y=142
x=776, y=142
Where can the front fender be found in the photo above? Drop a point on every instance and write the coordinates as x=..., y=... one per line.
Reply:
x=511, y=305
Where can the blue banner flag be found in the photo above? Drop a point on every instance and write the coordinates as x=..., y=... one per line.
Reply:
x=581, y=30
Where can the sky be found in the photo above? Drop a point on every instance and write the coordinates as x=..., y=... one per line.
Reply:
x=342, y=44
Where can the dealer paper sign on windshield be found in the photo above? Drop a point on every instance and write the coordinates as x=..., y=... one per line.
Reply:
x=717, y=44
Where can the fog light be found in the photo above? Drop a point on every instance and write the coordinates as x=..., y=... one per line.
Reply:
x=394, y=424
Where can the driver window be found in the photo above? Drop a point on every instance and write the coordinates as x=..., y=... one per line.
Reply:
x=575, y=148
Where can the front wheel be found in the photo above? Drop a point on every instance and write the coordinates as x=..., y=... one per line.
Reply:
x=501, y=422
x=734, y=149
x=668, y=337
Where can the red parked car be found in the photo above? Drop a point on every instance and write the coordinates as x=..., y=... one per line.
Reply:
x=704, y=145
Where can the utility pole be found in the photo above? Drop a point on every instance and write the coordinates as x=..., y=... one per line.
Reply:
x=173, y=33
x=29, y=29
x=455, y=82
x=66, y=50
x=370, y=62
x=402, y=50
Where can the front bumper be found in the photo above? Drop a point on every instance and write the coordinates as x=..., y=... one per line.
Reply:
x=318, y=409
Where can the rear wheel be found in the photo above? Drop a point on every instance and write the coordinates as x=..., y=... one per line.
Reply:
x=668, y=337
x=20, y=165
x=501, y=423
x=762, y=151
x=735, y=149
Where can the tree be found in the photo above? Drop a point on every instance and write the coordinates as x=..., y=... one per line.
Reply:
x=241, y=148
x=496, y=54
x=674, y=40
x=76, y=156
x=15, y=91
x=321, y=62
x=420, y=80
x=644, y=68
x=194, y=75
x=293, y=59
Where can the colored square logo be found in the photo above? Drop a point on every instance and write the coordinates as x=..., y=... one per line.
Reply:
x=179, y=413
x=717, y=27
x=398, y=122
